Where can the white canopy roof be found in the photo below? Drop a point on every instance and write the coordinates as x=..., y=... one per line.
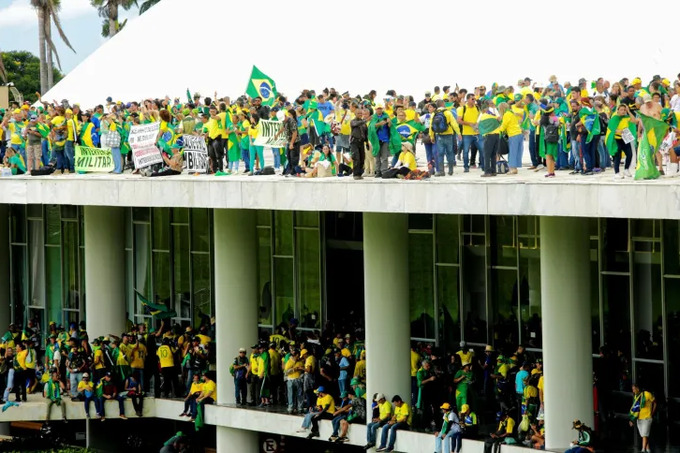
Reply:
x=359, y=45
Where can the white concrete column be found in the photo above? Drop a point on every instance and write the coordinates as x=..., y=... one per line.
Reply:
x=242, y=441
x=567, y=343
x=104, y=270
x=236, y=292
x=388, y=329
x=5, y=297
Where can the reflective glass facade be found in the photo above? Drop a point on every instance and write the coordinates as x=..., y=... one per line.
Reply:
x=475, y=278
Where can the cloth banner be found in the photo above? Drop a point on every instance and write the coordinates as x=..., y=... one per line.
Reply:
x=143, y=144
x=93, y=160
x=266, y=132
x=195, y=153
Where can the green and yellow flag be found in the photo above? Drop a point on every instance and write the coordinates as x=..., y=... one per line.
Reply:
x=261, y=85
x=613, y=125
x=408, y=130
x=655, y=130
x=158, y=311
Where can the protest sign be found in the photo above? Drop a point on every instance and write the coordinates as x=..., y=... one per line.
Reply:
x=195, y=153
x=266, y=134
x=93, y=160
x=143, y=145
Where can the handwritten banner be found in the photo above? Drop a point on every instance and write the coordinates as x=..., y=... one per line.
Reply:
x=266, y=134
x=143, y=144
x=93, y=160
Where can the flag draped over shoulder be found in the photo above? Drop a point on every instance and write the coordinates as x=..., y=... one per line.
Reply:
x=488, y=123
x=261, y=85
x=653, y=133
x=158, y=311
x=395, y=137
x=408, y=130
x=591, y=121
x=613, y=125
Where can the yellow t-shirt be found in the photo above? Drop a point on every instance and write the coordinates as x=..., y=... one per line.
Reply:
x=15, y=133
x=213, y=128
x=252, y=132
x=408, y=159
x=623, y=124
x=360, y=370
x=211, y=389
x=326, y=400
x=403, y=413
x=410, y=114
x=415, y=363
x=465, y=357
x=345, y=127
x=137, y=356
x=253, y=364
x=509, y=425
x=385, y=410
x=196, y=387
x=85, y=386
x=291, y=365
x=165, y=355
x=646, y=410
x=21, y=358
x=98, y=359
x=58, y=122
x=204, y=339
x=510, y=125
x=471, y=116
x=540, y=383
x=310, y=364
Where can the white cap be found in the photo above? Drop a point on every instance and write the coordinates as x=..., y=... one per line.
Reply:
x=379, y=397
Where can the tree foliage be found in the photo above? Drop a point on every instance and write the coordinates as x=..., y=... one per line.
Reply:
x=23, y=70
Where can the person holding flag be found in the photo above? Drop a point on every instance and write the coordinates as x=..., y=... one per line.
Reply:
x=262, y=86
x=621, y=133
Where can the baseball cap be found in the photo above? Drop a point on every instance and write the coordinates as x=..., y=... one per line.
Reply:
x=86, y=375
x=379, y=106
x=445, y=406
x=465, y=408
x=647, y=98
x=242, y=350
x=379, y=397
x=321, y=389
x=355, y=381
x=636, y=80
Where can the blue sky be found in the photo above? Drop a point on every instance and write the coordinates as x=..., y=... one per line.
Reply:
x=80, y=21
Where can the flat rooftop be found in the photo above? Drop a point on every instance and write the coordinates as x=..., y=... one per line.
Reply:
x=527, y=193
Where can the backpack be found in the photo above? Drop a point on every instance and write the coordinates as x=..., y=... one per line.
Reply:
x=439, y=123
x=552, y=133
x=502, y=166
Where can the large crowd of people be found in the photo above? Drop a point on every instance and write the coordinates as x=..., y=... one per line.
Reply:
x=585, y=127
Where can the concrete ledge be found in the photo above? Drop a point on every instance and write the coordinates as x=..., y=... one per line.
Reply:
x=36, y=410
x=525, y=194
x=287, y=425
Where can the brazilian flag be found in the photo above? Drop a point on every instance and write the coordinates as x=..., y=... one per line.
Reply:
x=654, y=132
x=261, y=85
x=488, y=123
x=591, y=121
x=408, y=130
x=157, y=311
x=610, y=139
x=395, y=137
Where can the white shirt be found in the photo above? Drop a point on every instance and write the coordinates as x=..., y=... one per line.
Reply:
x=675, y=103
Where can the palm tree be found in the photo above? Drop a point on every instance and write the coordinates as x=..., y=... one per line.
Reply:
x=3, y=71
x=48, y=12
x=108, y=9
x=146, y=5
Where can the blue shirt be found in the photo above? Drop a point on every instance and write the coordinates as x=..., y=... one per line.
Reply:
x=384, y=131
x=519, y=380
x=343, y=373
x=325, y=108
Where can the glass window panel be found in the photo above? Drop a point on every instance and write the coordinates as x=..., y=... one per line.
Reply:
x=420, y=221
x=264, y=218
x=71, y=317
x=34, y=211
x=161, y=229
x=671, y=247
x=595, y=305
x=284, y=297
x=504, y=307
x=130, y=298
x=71, y=285
x=615, y=245
x=181, y=273
x=309, y=277
x=530, y=298
x=528, y=225
x=128, y=228
x=142, y=261
x=69, y=211
x=200, y=230
x=264, y=252
x=52, y=225
x=616, y=303
x=202, y=286
x=283, y=233
x=473, y=224
x=421, y=285
x=19, y=282
x=648, y=325
x=673, y=325
x=307, y=218
x=651, y=377
x=161, y=278
x=141, y=214
x=53, y=283
x=449, y=310
x=502, y=236
x=645, y=228
x=37, y=263
x=180, y=215
x=474, y=294
x=18, y=223
x=448, y=239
